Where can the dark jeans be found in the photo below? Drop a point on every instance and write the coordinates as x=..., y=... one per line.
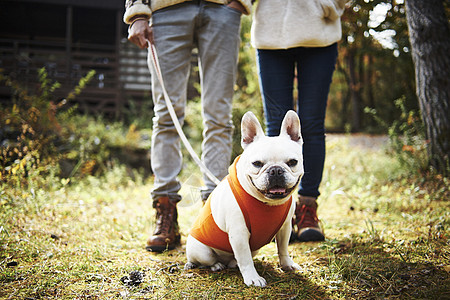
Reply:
x=314, y=68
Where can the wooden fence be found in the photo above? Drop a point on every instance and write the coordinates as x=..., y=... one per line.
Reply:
x=121, y=71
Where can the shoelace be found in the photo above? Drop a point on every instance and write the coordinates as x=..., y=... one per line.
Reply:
x=164, y=222
x=308, y=217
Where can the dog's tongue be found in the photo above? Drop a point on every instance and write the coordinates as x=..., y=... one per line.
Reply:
x=277, y=190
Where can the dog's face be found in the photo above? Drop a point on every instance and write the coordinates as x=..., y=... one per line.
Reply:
x=270, y=168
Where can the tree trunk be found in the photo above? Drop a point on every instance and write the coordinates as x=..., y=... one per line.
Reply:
x=429, y=35
x=345, y=93
x=354, y=92
x=368, y=86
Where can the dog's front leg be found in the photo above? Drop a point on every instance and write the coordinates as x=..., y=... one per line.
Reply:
x=282, y=238
x=239, y=242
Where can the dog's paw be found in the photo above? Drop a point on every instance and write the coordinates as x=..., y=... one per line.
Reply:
x=291, y=267
x=218, y=267
x=255, y=281
x=287, y=264
x=190, y=265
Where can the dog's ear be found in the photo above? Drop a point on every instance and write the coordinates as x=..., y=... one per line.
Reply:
x=250, y=129
x=291, y=126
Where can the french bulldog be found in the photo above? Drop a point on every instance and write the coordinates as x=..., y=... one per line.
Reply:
x=253, y=204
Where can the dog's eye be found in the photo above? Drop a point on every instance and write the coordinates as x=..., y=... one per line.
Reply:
x=292, y=163
x=258, y=164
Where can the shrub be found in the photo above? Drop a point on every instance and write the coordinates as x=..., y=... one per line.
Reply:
x=406, y=135
x=31, y=130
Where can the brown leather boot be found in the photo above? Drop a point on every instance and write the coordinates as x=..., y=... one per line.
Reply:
x=166, y=235
x=306, y=221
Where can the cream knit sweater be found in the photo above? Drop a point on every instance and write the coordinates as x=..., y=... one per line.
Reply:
x=283, y=24
x=146, y=7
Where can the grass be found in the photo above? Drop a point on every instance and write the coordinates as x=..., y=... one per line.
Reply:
x=387, y=237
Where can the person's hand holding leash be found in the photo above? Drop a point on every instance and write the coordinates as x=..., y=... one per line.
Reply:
x=140, y=32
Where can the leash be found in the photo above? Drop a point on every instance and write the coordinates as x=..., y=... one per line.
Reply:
x=175, y=121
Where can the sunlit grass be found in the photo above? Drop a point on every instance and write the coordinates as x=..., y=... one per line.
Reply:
x=387, y=237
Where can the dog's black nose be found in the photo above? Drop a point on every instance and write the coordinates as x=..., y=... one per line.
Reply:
x=276, y=178
x=275, y=171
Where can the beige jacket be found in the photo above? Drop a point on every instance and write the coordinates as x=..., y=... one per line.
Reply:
x=283, y=24
x=146, y=7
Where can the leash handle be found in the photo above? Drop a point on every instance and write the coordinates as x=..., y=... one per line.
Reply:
x=174, y=117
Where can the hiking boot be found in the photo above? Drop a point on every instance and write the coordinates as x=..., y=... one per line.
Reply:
x=166, y=235
x=306, y=221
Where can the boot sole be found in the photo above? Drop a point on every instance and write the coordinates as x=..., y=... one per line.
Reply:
x=159, y=249
x=311, y=235
x=162, y=248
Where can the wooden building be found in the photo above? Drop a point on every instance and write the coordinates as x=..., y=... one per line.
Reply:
x=69, y=38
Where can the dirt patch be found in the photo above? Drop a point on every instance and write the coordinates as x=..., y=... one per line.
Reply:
x=365, y=141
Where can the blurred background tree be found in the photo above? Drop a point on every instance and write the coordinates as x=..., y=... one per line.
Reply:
x=374, y=66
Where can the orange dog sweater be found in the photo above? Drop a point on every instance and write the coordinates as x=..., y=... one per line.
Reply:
x=263, y=221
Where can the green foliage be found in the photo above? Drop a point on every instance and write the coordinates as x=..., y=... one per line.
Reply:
x=369, y=72
x=138, y=114
x=31, y=127
x=40, y=136
x=407, y=136
x=90, y=143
